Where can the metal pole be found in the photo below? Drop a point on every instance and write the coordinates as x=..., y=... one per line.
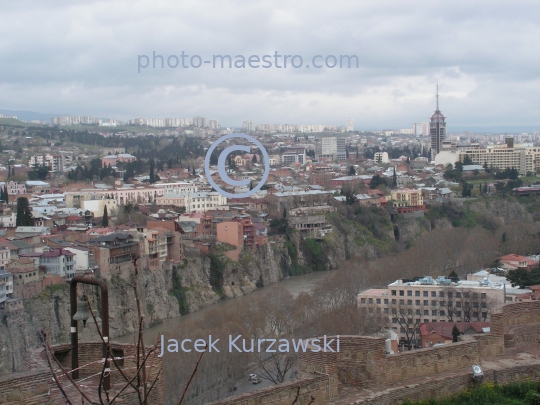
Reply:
x=102, y=284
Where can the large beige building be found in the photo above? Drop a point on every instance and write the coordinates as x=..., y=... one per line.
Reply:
x=405, y=304
x=127, y=195
x=524, y=159
x=407, y=197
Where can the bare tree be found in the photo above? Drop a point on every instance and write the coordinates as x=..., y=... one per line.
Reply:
x=142, y=381
x=276, y=366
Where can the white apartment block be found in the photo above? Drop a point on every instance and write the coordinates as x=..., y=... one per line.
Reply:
x=407, y=303
x=54, y=162
x=213, y=124
x=201, y=202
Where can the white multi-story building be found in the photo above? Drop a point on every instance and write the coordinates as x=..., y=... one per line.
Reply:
x=407, y=303
x=177, y=188
x=350, y=125
x=294, y=155
x=213, y=124
x=54, y=162
x=201, y=202
x=381, y=157
x=248, y=126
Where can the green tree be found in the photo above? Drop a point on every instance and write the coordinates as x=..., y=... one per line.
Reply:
x=352, y=172
x=455, y=333
x=105, y=220
x=394, y=178
x=254, y=158
x=151, y=174
x=24, y=215
x=453, y=276
x=376, y=181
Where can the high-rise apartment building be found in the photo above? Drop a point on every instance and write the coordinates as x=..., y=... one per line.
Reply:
x=213, y=124
x=437, y=129
x=350, y=125
x=248, y=126
x=199, y=122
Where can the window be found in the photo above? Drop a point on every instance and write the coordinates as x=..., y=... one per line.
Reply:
x=370, y=310
x=393, y=292
x=409, y=311
x=426, y=312
x=417, y=302
x=370, y=300
x=401, y=302
x=475, y=314
x=409, y=302
x=434, y=293
x=417, y=293
x=458, y=304
x=433, y=303
x=442, y=313
x=402, y=330
x=426, y=320
x=484, y=315
x=394, y=311
x=441, y=303
x=362, y=300
x=475, y=304
x=394, y=320
x=475, y=296
x=418, y=312
x=401, y=293
x=394, y=301
x=441, y=294
x=484, y=305
x=450, y=294
x=458, y=314
x=483, y=296
x=434, y=312
x=458, y=295
x=426, y=293
x=409, y=293
x=378, y=300
x=426, y=302
x=386, y=311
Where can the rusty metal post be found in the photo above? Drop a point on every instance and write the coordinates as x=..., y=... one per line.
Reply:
x=102, y=284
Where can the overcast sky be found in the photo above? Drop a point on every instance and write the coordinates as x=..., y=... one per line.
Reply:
x=80, y=58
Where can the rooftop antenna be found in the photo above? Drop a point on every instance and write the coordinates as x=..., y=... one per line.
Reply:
x=437, y=96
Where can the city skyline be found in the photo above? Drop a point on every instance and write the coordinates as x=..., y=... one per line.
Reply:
x=80, y=63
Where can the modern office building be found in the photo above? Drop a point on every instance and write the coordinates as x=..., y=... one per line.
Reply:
x=330, y=148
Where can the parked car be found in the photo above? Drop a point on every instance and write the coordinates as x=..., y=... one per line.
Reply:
x=256, y=380
x=251, y=377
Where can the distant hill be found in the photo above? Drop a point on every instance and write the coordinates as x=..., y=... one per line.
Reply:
x=499, y=129
x=29, y=115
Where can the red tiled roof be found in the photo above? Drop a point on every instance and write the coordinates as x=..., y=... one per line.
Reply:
x=444, y=329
